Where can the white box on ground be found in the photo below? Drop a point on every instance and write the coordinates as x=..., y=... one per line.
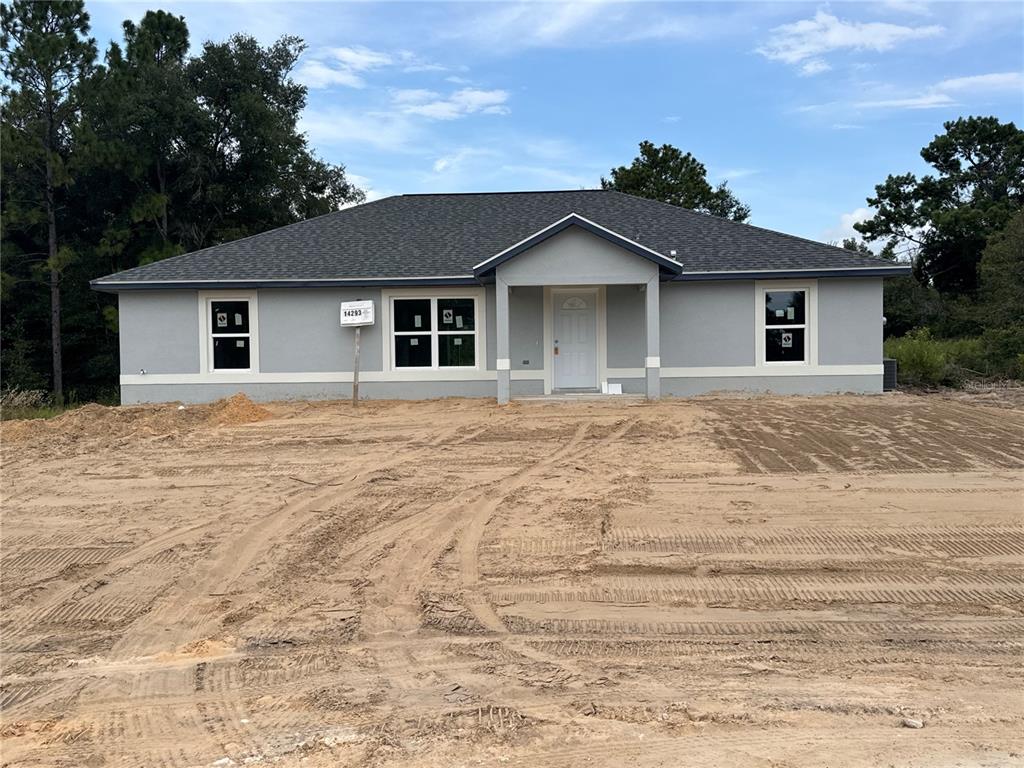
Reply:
x=356, y=313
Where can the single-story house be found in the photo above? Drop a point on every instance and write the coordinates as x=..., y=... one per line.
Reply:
x=506, y=295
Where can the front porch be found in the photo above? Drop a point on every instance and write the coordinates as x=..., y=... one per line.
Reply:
x=589, y=338
x=578, y=264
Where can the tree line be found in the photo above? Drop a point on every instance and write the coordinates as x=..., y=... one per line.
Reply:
x=111, y=164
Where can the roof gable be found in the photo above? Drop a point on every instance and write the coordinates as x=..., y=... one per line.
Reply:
x=487, y=267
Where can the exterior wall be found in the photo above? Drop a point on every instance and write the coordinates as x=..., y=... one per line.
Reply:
x=625, y=313
x=526, y=328
x=526, y=307
x=850, y=321
x=707, y=324
x=707, y=332
x=159, y=331
x=300, y=330
x=576, y=257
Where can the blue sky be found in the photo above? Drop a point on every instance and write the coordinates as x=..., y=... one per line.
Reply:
x=802, y=107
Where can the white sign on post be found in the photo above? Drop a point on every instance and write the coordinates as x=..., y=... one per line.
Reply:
x=355, y=313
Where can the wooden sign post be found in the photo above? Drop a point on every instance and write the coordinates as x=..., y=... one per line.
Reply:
x=356, y=314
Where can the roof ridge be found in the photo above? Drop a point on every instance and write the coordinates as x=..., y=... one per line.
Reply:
x=511, y=192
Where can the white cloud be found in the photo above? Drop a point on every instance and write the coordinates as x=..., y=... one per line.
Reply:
x=996, y=81
x=413, y=95
x=506, y=26
x=813, y=67
x=845, y=228
x=454, y=161
x=924, y=101
x=804, y=42
x=671, y=119
x=380, y=130
x=347, y=65
x=466, y=101
x=367, y=185
x=359, y=58
x=736, y=173
x=317, y=74
x=946, y=93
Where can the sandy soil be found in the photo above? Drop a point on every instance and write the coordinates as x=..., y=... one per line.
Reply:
x=733, y=581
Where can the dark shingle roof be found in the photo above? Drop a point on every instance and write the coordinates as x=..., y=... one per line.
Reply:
x=446, y=235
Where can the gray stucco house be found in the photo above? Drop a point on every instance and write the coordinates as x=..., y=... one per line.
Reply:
x=504, y=294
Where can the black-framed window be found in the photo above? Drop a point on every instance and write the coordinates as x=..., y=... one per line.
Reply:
x=434, y=332
x=785, y=326
x=230, y=335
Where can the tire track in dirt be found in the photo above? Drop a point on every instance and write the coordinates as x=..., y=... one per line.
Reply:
x=731, y=747
x=966, y=541
x=469, y=541
x=994, y=628
x=979, y=590
x=801, y=437
x=175, y=620
x=863, y=650
x=392, y=601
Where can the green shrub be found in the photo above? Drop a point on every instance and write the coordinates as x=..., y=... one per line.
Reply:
x=1003, y=351
x=926, y=361
x=920, y=359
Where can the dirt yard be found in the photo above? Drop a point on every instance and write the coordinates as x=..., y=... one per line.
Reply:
x=711, y=582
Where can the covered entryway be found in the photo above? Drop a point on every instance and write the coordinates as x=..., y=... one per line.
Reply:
x=574, y=351
x=577, y=259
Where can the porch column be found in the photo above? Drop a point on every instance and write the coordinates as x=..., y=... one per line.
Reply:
x=652, y=363
x=503, y=362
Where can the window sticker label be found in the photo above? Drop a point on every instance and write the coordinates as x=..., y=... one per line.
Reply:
x=458, y=321
x=238, y=318
x=240, y=343
x=447, y=316
x=458, y=342
x=414, y=342
x=780, y=313
x=791, y=313
x=417, y=321
x=787, y=340
x=222, y=319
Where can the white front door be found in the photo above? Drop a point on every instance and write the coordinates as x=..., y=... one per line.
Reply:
x=575, y=340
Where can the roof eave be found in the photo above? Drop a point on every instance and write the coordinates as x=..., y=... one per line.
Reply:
x=782, y=274
x=118, y=286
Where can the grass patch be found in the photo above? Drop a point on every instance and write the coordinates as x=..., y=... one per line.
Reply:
x=38, y=404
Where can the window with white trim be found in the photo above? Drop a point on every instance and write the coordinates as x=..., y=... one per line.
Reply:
x=433, y=333
x=230, y=335
x=785, y=326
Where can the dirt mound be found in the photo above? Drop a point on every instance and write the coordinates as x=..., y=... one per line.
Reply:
x=94, y=421
x=95, y=425
x=235, y=410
